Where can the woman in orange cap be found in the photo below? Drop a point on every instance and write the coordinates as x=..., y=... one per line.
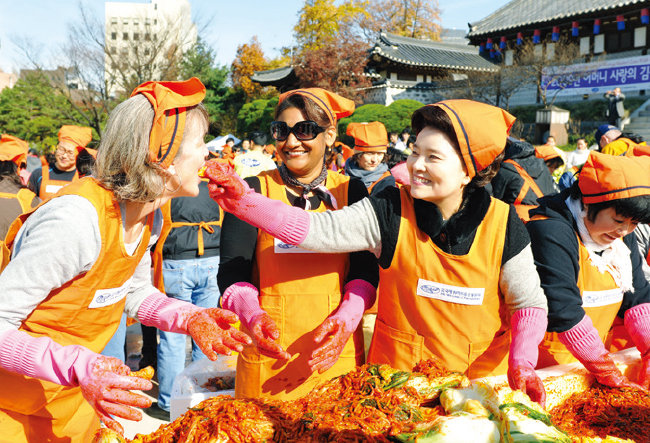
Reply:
x=47, y=180
x=82, y=258
x=288, y=298
x=14, y=197
x=368, y=163
x=457, y=277
x=590, y=266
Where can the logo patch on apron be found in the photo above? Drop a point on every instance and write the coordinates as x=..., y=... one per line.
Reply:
x=594, y=299
x=107, y=297
x=52, y=189
x=280, y=247
x=451, y=294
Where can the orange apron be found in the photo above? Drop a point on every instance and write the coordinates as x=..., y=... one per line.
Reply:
x=432, y=303
x=24, y=197
x=299, y=289
x=601, y=300
x=85, y=311
x=49, y=187
x=529, y=184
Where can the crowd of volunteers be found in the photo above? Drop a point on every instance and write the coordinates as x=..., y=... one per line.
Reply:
x=453, y=240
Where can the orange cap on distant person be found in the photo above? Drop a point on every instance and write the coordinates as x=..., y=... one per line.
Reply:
x=13, y=149
x=606, y=177
x=547, y=152
x=368, y=137
x=333, y=104
x=481, y=130
x=170, y=101
x=80, y=136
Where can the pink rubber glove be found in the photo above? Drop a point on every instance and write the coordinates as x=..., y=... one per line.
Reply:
x=637, y=324
x=103, y=381
x=583, y=342
x=242, y=298
x=211, y=328
x=359, y=295
x=528, y=326
x=286, y=223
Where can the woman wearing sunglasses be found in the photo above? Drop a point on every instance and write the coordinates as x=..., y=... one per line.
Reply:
x=291, y=299
x=368, y=163
x=458, y=280
x=81, y=259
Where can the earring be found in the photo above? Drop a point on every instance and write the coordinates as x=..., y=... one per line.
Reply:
x=180, y=183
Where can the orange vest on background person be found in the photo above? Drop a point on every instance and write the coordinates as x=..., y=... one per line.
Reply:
x=601, y=300
x=24, y=197
x=168, y=225
x=529, y=184
x=299, y=289
x=85, y=311
x=432, y=303
x=49, y=187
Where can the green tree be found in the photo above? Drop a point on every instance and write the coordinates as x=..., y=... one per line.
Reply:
x=256, y=115
x=395, y=116
x=34, y=111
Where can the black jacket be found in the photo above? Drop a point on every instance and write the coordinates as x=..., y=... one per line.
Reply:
x=555, y=249
x=507, y=184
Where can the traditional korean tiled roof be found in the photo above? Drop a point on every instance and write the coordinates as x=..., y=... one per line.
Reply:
x=522, y=13
x=426, y=53
x=272, y=75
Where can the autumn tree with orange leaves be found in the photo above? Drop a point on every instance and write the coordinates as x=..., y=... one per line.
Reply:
x=410, y=18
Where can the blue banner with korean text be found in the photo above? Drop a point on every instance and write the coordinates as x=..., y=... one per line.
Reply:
x=630, y=74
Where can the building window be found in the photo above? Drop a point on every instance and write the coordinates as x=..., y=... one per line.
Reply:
x=408, y=76
x=538, y=50
x=125, y=36
x=136, y=36
x=550, y=51
x=113, y=50
x=136, y=22
x=113, y=20
x=113, y=35
x=640, y=37
x=147, y=21
x=155, y=21
x=147, y=51
x=612, y=42
x=599, y=44
x=155, y=37
x=509, y=57
x=125, y=21
x=625, y=41
x=584, y=45
x=147, y=37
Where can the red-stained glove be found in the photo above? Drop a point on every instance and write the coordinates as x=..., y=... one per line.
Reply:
x=637, y=324
x=225, y=186
x=242, y=298
x=528, y=326
x=583, y=342
x=103, y=380
x=211, y=328
x=338, y=327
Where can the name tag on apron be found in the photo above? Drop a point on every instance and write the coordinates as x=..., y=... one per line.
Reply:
x=52, y=189
x=280, y=247
x=594, y=299
x=107, y=297
x=451, y=294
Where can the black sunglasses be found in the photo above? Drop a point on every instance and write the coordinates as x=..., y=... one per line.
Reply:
x=304, y=130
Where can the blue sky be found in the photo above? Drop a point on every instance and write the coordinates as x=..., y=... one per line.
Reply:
x=44, y=23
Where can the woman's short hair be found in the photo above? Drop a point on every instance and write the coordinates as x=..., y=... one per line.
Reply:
x=307, y=106
x=435, y=117
x=636, y=208
x=123, y=164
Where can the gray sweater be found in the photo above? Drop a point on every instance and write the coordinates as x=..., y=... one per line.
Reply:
x=59, y=241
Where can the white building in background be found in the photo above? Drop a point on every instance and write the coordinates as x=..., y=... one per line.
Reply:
x=141, y=38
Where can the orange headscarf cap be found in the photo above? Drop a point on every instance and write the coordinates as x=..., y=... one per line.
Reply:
x=13, y=149
x=80, y=136
x=170, y=101
x=481, y=130
x=546, y=152
x=336, y=106
x=368, y=137
x=606, y=177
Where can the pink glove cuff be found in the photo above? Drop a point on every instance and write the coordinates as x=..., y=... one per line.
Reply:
x=242, y=298
x=528, y=327
x=637, y=324
x=358, y=297
x=583, y=341
x=286, y=223
x=166, y=313
x=43, y=358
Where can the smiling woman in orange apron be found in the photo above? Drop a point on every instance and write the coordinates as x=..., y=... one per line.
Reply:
x=457, y=277
x=291, y=300
x=81, y=259
x=590, y=266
